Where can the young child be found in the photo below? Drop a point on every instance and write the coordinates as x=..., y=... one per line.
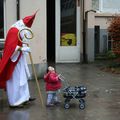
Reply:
x=53, y=84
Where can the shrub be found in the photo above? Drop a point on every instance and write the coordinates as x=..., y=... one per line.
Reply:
x=111, y=55
x=114, y=32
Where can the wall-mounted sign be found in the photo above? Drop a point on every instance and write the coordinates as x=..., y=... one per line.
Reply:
x=68, y=39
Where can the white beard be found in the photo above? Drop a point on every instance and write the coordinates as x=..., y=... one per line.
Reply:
x=19, y=25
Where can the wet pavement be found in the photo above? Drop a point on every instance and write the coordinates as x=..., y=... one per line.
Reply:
x=102, y=100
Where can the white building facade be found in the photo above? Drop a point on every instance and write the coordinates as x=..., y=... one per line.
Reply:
x=65, y=31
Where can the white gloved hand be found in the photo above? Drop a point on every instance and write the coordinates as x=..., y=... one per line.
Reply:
x=26, y=49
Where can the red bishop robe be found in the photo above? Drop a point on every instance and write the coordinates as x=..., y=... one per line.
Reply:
x=6, y=65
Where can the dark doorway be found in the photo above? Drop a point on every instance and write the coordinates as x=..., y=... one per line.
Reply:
x=1, y=19
x=97, y=39
x=50, y=31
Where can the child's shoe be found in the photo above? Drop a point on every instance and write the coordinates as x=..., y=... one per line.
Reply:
x=57, y=102
x=50, y=105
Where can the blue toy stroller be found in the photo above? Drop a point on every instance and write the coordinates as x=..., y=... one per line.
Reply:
x=76, y=92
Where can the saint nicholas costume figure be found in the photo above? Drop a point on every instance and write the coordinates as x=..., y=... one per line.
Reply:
x=14, y=72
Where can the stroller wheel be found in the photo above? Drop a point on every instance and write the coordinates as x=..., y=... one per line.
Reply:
x=82, y=104
x=66, y=105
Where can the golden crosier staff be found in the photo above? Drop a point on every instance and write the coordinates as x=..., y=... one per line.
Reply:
x=26, y=36
x=33, y=68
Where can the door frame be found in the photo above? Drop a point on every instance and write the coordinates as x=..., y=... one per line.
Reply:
x=57, y=31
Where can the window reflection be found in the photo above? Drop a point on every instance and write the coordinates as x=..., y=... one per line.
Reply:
x=68, y=23
x=95, y=4
x=113, y=6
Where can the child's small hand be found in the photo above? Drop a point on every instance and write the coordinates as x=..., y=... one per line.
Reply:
x=57, y=77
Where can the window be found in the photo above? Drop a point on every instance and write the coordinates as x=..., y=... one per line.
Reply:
x=68, y=23
x=1, y=19
x=112, y=6
x=95, y=4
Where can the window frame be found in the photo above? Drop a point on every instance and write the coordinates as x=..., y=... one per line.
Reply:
x=111, y=10
x=4, y=7
x=106, y=10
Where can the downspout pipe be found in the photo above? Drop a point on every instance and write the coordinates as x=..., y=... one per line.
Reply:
x=84, y=33
x=18, y=9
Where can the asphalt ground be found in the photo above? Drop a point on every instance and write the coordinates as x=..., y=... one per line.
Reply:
x=102, y=101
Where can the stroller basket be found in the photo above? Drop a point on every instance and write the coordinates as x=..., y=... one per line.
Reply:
x=76, y=92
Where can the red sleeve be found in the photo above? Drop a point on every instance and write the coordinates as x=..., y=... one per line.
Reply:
x=51, y=77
